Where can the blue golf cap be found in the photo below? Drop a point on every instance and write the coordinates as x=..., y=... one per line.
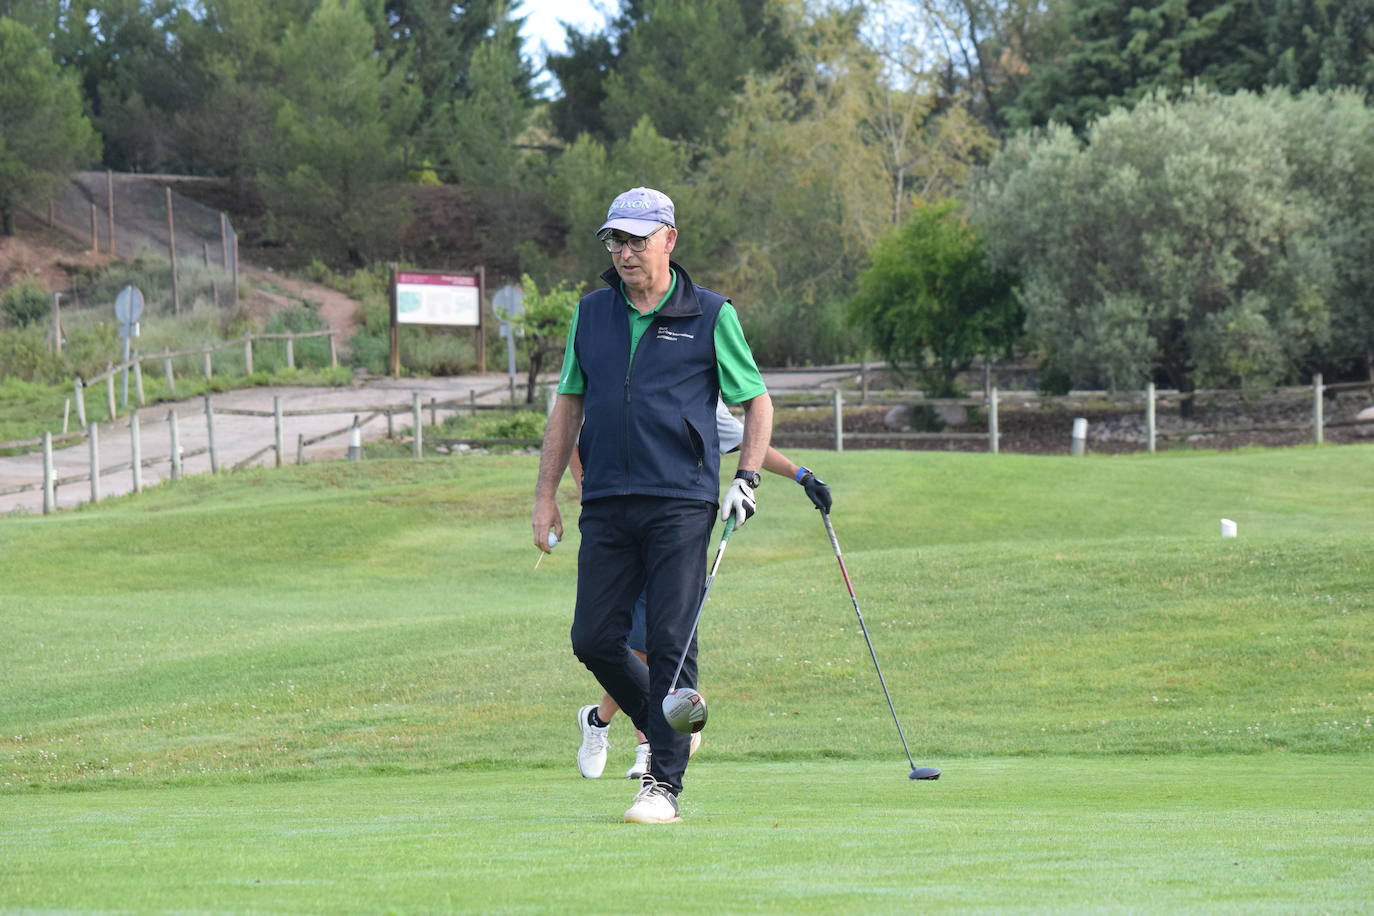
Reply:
x=638, y=211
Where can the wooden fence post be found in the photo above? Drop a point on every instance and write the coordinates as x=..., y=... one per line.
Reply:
x=109, y=206
x=839, y=420
x=172, y=252
x=210, y=435
x=276, y=428
x=209, y=363
x=994, y=431
x=1317, y=420
x=136, y=451
x=138, y=381
x=1150, y=416
x=95, y=462
x=49, y=476
x=167, y=368
x=290, y=353
x=176, y=444
x=109, y=392
x=248, y=355
x=80, y=391
x=416, y=445
x=333, y=352
x=1078, y=442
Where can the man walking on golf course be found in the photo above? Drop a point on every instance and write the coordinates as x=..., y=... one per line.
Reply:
x=595, y=721
x=648, y=356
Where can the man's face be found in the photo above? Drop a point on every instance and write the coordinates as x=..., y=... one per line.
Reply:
x=642, y=269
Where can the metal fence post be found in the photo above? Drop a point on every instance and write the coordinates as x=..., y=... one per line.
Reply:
x=1080, y=436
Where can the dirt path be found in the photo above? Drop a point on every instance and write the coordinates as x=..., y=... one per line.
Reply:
x=277, y=292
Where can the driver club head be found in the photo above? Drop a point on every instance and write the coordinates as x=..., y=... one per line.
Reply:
x=924, y=773
x=685, y=710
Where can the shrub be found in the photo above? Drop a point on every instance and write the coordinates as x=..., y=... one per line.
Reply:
x=27, y=302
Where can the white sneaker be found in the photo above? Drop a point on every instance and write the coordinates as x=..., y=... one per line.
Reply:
x=696, y=743
x=642, y=757
x=653, y=805
x=591, y=756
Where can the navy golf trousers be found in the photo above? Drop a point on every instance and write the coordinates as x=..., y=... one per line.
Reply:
x=656, y=545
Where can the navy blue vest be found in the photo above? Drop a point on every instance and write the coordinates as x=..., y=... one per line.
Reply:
x=649, y=426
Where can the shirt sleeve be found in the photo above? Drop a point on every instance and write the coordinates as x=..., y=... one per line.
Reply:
x=740, y=379
x=729, y=430
x=572, y=380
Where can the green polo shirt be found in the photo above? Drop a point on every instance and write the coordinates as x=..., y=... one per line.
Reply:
x=739, y=377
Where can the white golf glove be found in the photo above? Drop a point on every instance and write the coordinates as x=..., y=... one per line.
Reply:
x=739, y=502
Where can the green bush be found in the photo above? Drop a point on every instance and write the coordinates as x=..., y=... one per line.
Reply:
x=27, y=302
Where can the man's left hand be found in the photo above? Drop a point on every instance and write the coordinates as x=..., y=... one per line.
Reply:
x=739, y=502
x=817, y=490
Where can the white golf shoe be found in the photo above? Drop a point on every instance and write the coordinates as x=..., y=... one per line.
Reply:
x=654, y=804
x=591, y=756
x=642, y=757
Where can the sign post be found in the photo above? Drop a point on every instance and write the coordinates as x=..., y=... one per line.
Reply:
x=128, y=309
x=507, y=303
x=442, y=299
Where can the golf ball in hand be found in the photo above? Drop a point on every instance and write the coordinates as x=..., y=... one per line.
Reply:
x=553, y=540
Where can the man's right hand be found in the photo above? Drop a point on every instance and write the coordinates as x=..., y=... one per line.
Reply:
x=546, y=518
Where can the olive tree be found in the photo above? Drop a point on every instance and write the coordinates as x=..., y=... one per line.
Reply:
x=1171, y=238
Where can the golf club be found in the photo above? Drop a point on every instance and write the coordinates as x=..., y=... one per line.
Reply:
x=685, y=709
x=916, y=772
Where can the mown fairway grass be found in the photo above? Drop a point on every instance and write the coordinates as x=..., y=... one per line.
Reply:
x=344, y=688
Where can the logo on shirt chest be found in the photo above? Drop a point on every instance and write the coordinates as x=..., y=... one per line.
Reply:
x=665, y=334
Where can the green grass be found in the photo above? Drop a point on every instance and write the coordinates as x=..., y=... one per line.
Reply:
x=345, y=688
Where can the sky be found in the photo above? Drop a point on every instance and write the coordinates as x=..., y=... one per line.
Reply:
x=542, y=19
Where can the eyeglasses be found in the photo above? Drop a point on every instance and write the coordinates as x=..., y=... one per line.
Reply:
x=633, y=242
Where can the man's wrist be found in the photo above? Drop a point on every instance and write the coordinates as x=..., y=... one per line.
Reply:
x=801, y=472
x=753, y=478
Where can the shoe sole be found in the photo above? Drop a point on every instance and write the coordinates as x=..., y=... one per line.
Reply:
x=675, y=819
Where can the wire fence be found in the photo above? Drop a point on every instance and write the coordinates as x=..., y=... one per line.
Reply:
x=190, y=250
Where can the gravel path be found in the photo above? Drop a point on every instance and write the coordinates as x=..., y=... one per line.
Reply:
x=237, y=438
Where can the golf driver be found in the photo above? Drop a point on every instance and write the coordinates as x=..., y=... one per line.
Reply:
x=916, y=772
x=685, y=708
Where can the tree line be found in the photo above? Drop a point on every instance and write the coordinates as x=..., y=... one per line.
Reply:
x=1121, y=189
